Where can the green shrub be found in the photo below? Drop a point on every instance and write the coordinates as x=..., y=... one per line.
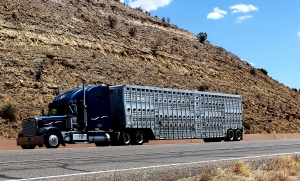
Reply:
x=155, y=47
x=123, y=53
x=294, y=89
x=203, y=88
x=112, y=22
x=38, y=75
x=263, y=71
x=8, y=111
x=247, y=126
x=139, y=9
x=202, y=36
x=132, y=31
x=253, y=71
x=168, y=20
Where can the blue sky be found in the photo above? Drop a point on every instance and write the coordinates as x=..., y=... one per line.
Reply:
x=264, y=33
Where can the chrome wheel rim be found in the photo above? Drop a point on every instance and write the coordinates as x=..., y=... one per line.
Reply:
x=53, y=140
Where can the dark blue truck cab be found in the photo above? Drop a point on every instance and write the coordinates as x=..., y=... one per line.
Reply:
x=72, y=117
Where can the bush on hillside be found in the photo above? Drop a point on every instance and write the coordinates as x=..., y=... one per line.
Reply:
x=139, y=9
x=132, y=31
x=294, y=89
x=263, y=71
x=155, y=47
x=253, y=71
x=202, y=36
x=112, y=22
x=247, y=126
x=9, y=111
x=203, y=88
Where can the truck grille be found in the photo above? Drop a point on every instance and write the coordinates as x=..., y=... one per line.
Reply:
x=29, y=127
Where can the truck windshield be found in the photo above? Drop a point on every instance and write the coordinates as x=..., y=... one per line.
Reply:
x=59, y=111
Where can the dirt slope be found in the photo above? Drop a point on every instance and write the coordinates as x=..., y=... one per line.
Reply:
x=44, y=43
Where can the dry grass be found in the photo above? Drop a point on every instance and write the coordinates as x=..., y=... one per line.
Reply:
x=278, y=169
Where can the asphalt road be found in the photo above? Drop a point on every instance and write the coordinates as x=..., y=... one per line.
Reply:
x=111, y=163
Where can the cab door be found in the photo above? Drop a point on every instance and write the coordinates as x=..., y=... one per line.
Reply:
x=98, y=108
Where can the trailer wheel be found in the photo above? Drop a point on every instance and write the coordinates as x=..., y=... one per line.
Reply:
x=52, y=140
x=124, y=138
x=238, y=135
x=138, y=138
x=28, y=146
x=230, y=135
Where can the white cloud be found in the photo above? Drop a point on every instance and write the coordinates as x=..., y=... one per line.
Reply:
x=299, y=34
x=243, y=18
x=243, y=8
x=149, y=5
x=122, y=1
x=217, y=14
x=252, y=64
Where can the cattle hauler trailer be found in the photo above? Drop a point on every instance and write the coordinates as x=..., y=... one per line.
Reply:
x=133, y=114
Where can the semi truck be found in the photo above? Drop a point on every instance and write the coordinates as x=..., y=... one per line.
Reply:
x=133, y=114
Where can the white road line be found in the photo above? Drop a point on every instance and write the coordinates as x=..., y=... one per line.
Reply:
x=156, y=166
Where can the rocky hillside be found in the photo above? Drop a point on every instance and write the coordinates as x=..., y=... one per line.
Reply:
x=44, y=43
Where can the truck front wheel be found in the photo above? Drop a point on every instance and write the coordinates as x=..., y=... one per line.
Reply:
x=52, y=140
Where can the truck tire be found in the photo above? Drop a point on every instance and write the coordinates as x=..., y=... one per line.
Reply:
x=52, y=140
x=230, y=135
x=124, y=138
x=138, y=138
x=238, y=135
x=28, y=146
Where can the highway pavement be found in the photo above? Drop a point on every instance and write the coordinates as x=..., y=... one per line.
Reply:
x=139, y=162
